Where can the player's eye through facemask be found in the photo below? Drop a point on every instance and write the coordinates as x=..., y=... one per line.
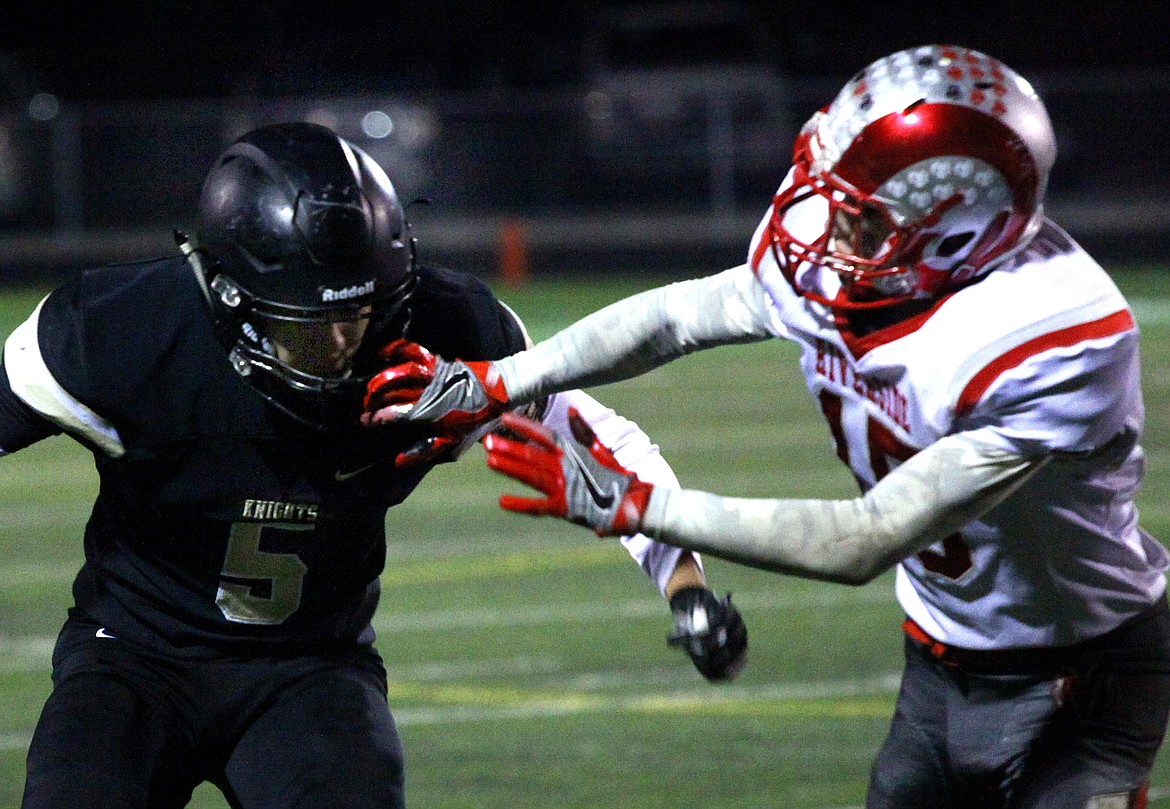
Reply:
x=315, y=349
x=862, y=242
x=859, y=241
x=858, y=232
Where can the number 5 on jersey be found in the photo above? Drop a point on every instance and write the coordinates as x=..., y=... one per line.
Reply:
x=257, y=586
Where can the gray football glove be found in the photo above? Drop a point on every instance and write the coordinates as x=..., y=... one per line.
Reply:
x=580, y=478
x=711, y=631
x=457, y=400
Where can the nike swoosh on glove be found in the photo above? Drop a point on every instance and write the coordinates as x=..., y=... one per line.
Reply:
x=457, y=399
x=581, y=480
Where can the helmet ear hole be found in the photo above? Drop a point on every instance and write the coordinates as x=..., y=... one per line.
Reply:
x=954, y=243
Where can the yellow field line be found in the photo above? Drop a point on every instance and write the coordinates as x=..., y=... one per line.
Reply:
x=442, y=703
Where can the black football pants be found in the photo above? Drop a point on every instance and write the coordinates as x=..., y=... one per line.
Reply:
x=1081, y=738
x=127, y=728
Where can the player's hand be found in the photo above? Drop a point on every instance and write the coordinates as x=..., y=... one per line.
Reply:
x=581, y=480
x=457, y=400
x=711, y=631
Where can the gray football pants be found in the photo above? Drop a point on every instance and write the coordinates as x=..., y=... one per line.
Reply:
x=1083, y=737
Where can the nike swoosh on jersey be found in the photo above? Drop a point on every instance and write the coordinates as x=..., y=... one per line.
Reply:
x=102, y=633
x=341, y=476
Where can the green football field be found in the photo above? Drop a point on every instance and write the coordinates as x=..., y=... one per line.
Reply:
x=527, y=659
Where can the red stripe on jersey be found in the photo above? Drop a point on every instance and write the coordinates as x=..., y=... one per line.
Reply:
x=860, y=346
x=1115, y=323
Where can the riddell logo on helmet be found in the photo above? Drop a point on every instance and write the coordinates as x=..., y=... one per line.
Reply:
x=347, y=293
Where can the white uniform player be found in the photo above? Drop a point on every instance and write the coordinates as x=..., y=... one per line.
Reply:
x=1054, y=373
x=979, y=375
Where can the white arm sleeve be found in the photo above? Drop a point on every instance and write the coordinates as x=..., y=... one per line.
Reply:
x=32, y=381
x=927, y=498
x=641, y=332
x=633, y=450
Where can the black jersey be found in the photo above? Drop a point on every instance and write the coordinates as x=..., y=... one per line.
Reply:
x=221, y=525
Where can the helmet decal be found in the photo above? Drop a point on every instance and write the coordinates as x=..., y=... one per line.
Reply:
x=330, y=295
x=947, y=148
x=303, y=236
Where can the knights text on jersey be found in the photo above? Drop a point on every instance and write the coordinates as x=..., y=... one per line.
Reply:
x=1041, y=357
x=221, y=524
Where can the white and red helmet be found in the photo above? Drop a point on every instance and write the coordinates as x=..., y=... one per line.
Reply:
x=926, y=170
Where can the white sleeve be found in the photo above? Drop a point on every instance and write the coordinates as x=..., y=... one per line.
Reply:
x=633, y=450
x=32, y=381
x=641, y=332
x=929, y=497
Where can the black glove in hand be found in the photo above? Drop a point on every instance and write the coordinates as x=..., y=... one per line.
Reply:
x=711, y=631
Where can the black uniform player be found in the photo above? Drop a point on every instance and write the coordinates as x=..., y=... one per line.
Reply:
x=221, y=626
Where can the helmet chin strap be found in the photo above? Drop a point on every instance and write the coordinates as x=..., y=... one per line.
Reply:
x=191, y=253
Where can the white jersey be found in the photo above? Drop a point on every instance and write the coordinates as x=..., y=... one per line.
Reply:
x=1040, y=357
x=1009, y=413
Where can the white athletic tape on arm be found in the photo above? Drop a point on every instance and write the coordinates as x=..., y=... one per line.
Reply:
x=927, y=498
x=641, y=332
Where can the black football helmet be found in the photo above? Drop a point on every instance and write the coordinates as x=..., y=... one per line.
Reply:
x=298, y=228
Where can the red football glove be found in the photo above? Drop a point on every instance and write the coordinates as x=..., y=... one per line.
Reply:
x=456, y=399
x=582, y=481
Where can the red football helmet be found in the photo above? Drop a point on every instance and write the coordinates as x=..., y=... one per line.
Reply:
x=927, y=170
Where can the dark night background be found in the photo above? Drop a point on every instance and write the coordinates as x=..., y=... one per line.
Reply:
x=81, y=50
x=141, y=96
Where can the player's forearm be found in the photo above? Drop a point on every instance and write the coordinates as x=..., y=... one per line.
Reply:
x=639, y=333
x=926, y=499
